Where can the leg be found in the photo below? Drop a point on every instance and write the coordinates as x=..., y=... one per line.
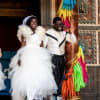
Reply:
x=18, y=97
x=39, y=98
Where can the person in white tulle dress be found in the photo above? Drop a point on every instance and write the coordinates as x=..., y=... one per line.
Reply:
x=31, y=74
x=2, y=76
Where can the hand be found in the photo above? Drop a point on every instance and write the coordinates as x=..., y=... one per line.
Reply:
x=41, y=45
x=19, y=62
x=23, y=44
x=0, y=53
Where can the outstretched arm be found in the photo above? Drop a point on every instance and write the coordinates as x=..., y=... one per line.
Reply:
x=70, y=37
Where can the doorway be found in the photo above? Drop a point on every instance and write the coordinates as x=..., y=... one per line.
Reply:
x=11, y=15
x=12, y=12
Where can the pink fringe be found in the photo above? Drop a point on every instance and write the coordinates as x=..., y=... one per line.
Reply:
x=83, y=65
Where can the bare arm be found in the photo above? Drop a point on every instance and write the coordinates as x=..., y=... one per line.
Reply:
x=70, y=37
x=23, y=42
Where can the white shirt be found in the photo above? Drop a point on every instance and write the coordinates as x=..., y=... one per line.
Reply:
x=55, y=41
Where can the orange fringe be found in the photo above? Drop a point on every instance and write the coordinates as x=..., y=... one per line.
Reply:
x=68, y=85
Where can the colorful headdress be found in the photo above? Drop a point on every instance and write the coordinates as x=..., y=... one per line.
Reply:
x=65, y=11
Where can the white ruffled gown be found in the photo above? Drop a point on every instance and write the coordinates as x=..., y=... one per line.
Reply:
x=34, y=77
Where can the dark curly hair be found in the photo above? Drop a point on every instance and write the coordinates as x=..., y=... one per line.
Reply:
x=29, y=20
x=56, y=19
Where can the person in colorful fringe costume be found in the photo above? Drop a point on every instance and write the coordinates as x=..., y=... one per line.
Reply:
x=75, y=75
x=65, y=11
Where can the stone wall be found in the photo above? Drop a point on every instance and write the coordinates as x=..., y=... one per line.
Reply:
x=89, y=30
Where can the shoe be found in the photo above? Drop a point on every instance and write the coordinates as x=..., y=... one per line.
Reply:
x=59, y=98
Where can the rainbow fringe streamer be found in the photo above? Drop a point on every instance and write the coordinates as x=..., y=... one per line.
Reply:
x=76, y=77
x=65, y=11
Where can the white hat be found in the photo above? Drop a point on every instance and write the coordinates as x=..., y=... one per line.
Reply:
x=27, y=18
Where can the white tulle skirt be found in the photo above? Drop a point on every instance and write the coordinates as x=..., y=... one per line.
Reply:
x=2, y=78
x=34, y=77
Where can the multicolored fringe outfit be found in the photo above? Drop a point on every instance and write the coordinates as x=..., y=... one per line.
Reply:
x=75, y=77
